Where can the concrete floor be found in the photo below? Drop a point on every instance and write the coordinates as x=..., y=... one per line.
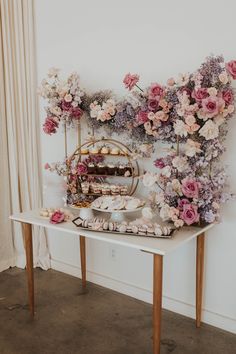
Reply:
x=99, y=321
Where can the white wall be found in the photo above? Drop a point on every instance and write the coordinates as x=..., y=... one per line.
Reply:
x=103, y=40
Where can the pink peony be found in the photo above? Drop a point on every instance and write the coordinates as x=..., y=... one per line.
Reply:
x=153, y=104
x=189, y=214
x=81, y=168
x=228, y=96
x=231, y=68
x=212, y=105
x=155, y=91
x=142, y=117
x=130, y=80
x=199, y=94
x=190, y=187
x=50, y=125
x=57, y=217
x=182, y=202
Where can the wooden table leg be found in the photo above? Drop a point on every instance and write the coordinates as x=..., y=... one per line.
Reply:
x=157, y=302
x=199, y=277
x=83, y=260
x=27, y=230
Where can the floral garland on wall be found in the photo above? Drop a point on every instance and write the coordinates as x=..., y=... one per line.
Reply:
x=190, y=112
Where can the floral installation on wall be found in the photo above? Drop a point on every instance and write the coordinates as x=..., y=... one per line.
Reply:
x=190, y=112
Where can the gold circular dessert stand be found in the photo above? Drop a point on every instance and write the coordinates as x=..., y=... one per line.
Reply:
x=125, y=152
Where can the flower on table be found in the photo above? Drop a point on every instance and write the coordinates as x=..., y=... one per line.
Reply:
x=228, y=96
x=50, y=125
x=130, y=80
x=180, y=163
x=190, y=214
x=57, y=217
x=210, y=130
x=223, y=77
x=149, y=179
x=211, y=106
x=181, y=128
x=155, y=91
x=199, y=94
x=192, y=148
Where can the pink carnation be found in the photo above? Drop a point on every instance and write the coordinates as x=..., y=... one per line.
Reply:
x=189, y=214
x=50, y=126
x=141, y=117
x=82, y=168
x=190, y=187
x=155, y=91
x=57, y=217
x=228, y=96
x=130, y=80
x=200, y=94
x=231, y=68
x=211, y=106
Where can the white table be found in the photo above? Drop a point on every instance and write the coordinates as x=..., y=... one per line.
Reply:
x=157, y=247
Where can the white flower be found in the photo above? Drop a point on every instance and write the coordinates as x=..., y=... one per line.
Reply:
x=183, y=79
x=149, y=179
x=180, y=128
x=166, y=171
x=164, y=212
x=55, y=110
x=192, y=148
x=219, y=119
x=180, y=163
x=176, y=186
x=212, y=91
x=147, y=213
x=210, y=130
x=74, y=104
x=223, y=77
x=68, y=97
x=53, y=72
x=178, y=223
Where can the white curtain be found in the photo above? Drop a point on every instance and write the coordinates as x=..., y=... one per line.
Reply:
x=21, y=185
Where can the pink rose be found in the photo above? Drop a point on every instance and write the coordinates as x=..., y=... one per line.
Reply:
x=66, y=106
x=153, y=104
x=231, y=68
x=199, y=94
x=159, y=163
x=77, y=112
x=212, y=105
x=182, y=202
x=57, y=217
x=46, y=166
x=50, y=125
x=228, y=96
x=189, y=214
x=130, y=80
x=155, y=91
x=141, y=117
x=190, y=187
x=81, y=168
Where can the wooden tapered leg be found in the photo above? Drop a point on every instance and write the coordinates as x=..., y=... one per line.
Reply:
x=83, y=260
x=27, y=230
x=199, y=277
x=157, y=302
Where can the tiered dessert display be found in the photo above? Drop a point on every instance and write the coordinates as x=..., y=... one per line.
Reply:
x=98, y=167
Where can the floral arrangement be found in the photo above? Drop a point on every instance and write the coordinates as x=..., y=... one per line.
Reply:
x=190, y=112
x=64, y=99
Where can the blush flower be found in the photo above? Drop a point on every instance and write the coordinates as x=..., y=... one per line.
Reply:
x=210, y=130
x=211, y=106
x=141, y=117
x=190, y=187
x=199, y=94
x=153, y=104
x=182, y=202
x=130, y=80
x=149, y=179
x=231, y=68
x=155, y=91
x=227, y=96
x=57, y=217
x=190, y=214
x=50, y=126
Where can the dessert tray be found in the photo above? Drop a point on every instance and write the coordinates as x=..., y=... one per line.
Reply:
x=117, y=204
x=128, y=228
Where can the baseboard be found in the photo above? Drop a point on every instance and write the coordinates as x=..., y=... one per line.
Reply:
x=175, y=305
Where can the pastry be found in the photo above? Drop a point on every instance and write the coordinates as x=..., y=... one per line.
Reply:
x=105, y=150
x=142, y=230
x=94, y=150
x=101, y=168
x=128, y=170
x=123, y=190
x=134, y=229
x=133, y=203
x=115, y=190
x=121, y=170
x=85, y=187
x=158, y=230
x=111, y=169
x=105, y=225
x=115, y=151
x=150, y=231
x=84, y=150
x=91, y=168
x=122, y=228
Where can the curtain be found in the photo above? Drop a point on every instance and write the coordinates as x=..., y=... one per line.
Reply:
x=21, y=187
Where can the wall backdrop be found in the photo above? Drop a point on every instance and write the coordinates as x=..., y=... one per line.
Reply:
x=102, y=41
